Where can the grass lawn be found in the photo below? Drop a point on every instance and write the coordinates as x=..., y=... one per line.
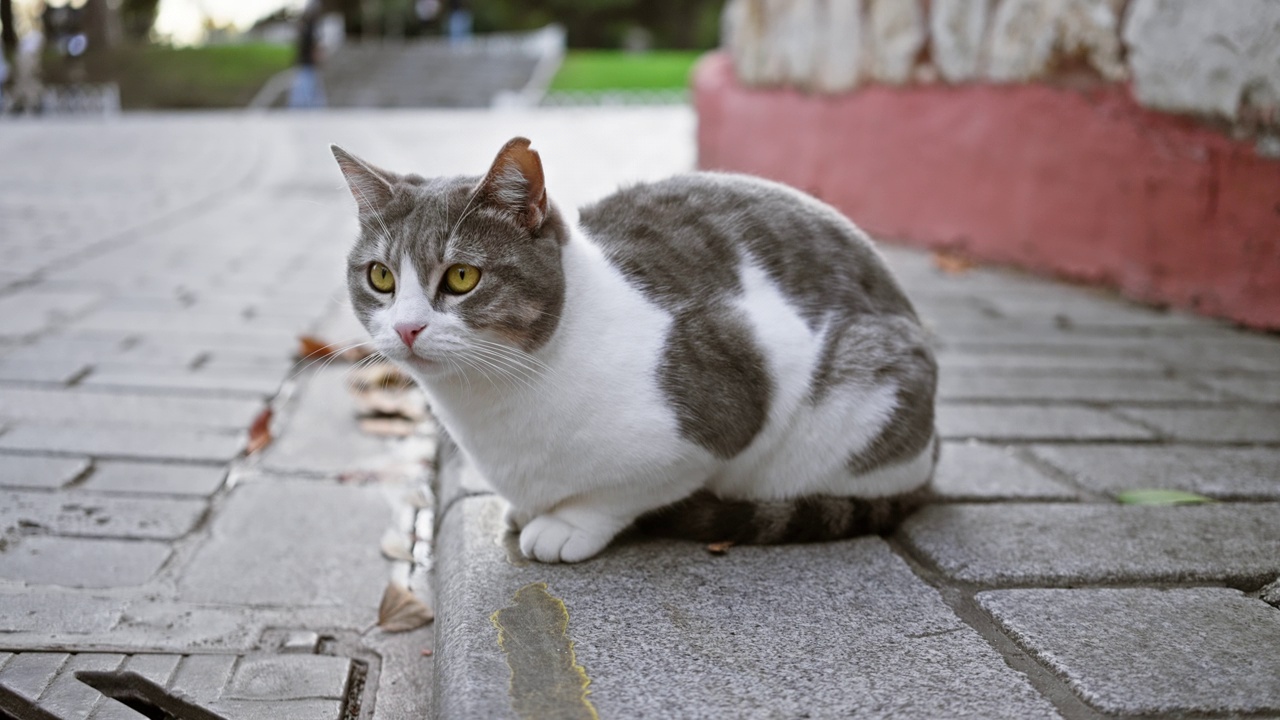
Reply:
x=159, y=76
x=585, y=70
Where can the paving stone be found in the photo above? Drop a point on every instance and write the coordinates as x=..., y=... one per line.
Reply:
x=54, y=370
x=289, y=677
x=983, y=384
x=69, y=699
x=1252, y=388
x=1231, y=424
x=974, y=471
x=1271, y=593
x=57, y=611
x=259, y=383
x=155, y=478
x=312, y=543
x=126, y=443
x=110, y=709
x=1086, y=543
x=1032, y=422
x=321, y=436
x=1227, y=473
x=30, y=311
x=155, y=667
x=79, y=562
x=85, y=407
x=663, y=641
x=1058, y=362
x=76, y=513
x=201, y=678
x=27, y=471
x=281, y=710
x=1151, y=652
x=27, y=675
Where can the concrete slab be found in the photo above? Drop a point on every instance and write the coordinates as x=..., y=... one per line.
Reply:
x=50, y=370
x=102, y=408
x=67, y=697
x=87, y=515
x=682, y=633
x=962, y=421
x=289, y=677
x=57, y=611
x=44, y=473
x=1061, y=544
x=975, y=471
x=311, y=544
x=1227, y=473
x=81, y=562
x=983, y=384
x=220, y=383
x=1151, y=652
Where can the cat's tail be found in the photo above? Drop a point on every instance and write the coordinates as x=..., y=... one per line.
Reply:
x=703, y=517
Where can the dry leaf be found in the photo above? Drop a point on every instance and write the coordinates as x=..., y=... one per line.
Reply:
x=259, y=432
x=402, y=403
x=428, y=653
x=311, y=347
x=396, y=545
x=720, y=548
x=951, y=263
x=387, y=427
x=401, y=610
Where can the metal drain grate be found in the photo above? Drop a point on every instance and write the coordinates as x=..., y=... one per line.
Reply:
x=158, y=686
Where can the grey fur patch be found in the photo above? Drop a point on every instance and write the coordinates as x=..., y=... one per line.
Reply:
x=441, y=221
x=682, y=242
x=703, y=517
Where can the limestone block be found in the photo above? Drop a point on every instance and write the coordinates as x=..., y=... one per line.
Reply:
x=956, y=28
x=1210, y=57
x=840, y=45
x=1089, y=30
x=896, y=31
x=1023, y=35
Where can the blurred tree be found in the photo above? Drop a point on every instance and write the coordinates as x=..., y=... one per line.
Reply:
x=137, y=17
x=686, y=24
x=8, y=33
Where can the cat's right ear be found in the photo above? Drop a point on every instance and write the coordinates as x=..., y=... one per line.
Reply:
x=370, y=185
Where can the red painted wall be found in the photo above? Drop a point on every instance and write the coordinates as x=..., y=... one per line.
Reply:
x=1085, y=184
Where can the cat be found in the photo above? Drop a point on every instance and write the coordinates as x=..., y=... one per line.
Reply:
x=711, y=356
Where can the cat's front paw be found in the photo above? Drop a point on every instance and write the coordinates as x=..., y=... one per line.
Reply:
x=515, y=519
x=550, y=539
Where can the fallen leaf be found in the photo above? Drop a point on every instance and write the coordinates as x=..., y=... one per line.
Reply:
x=259, y=432
x=1160, y=496
x=401, y=610
x=396, y=545
x=311, y=347
x=404, y=403
x=720, y=548
x=951, y=263
x=428, y=653
x=387, y=427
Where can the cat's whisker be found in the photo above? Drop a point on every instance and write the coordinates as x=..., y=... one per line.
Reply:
x=524, y=372
x=465, y=208
x=516, y=354
x=324, y=355
x=472, y=362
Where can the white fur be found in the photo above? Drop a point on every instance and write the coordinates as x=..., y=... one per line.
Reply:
x=582, y=448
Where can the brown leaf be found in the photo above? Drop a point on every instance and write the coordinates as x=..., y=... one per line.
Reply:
x=311, y=347
x=952, y=263
x=428, y=652
x=259, y=432
x=720, y=548
x=401, y=610
x=387, y=427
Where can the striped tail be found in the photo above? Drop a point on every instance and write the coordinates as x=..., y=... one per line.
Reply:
x=703, y=517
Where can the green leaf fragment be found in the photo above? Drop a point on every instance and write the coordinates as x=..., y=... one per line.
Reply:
x=1160, y=496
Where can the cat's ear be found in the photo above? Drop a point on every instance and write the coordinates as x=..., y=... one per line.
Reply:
x=515, y=183
x=370, y=185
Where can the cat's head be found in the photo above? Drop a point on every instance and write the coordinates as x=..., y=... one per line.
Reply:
x=450, y=274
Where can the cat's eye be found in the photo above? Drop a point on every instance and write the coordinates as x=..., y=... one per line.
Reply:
x=381, y=279
x=460, y=279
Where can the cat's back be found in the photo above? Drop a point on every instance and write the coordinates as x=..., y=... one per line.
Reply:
x=685, y=239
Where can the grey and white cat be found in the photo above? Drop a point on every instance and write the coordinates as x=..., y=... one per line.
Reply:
x=716, y=356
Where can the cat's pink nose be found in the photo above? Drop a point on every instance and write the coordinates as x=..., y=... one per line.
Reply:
x=409, y=332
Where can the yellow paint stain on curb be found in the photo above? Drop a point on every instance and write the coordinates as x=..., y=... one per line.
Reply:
x=546, y=680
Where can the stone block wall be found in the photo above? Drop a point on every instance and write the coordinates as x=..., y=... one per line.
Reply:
x=1213, y=58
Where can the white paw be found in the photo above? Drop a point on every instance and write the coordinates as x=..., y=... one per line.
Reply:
x=516, y=519
x=549, y=539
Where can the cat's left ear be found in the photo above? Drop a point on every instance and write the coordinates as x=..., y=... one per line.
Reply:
x=370, y=185
x=515, y=183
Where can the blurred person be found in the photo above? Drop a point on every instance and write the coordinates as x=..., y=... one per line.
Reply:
x=307, y=90
x=459, y=22
x=27, y=88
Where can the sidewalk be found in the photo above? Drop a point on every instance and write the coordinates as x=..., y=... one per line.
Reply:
x=156, y=273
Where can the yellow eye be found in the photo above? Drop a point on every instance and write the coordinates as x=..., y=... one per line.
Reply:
x=381, y=279
x=459, y=279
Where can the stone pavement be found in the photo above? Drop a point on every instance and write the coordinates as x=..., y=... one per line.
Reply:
x=156, y=271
